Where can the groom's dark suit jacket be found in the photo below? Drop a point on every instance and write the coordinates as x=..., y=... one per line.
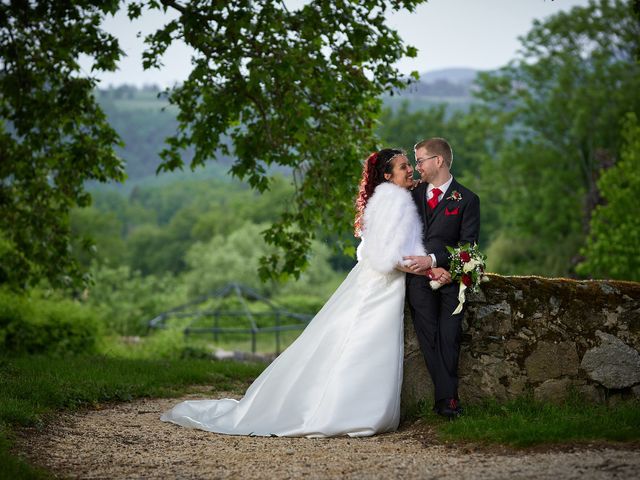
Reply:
x=451, y=223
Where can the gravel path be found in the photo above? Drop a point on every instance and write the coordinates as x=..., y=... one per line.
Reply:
x=129, y=441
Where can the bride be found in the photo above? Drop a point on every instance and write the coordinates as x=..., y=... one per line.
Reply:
x=343, y=374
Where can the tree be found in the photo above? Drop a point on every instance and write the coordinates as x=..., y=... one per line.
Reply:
x=235, y=258
x=53, y=135
x=296, y=88
x=613, y=245
x=106, y=230
x=272, y=86
x=554, y=112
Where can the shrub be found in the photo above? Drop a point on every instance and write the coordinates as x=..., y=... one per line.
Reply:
x=166, y=344
x=30, y=324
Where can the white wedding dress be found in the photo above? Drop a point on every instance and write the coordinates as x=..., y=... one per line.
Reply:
x=343, y=374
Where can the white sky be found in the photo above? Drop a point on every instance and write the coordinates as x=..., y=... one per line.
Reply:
x=479, y=34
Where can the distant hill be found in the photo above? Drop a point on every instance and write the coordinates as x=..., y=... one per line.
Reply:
x=452, y=75
x=443, y=85
x=144, y=118
x=451, y=86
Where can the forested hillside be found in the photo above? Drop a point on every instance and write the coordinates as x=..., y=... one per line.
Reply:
x=144, y=119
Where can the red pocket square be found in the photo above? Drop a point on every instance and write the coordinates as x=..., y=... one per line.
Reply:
x=451, y=212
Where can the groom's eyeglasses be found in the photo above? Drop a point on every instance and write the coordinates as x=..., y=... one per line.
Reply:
x=420, y=160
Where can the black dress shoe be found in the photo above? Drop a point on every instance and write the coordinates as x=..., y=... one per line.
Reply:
x=449, y=408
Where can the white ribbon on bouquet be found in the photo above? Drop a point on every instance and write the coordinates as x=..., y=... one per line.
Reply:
x=461, y=299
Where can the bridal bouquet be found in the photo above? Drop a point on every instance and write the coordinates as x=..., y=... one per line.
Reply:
x=467, y=267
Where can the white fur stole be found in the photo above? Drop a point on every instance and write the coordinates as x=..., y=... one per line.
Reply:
x=391, y=228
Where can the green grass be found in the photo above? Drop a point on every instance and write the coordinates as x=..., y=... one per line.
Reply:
x=35, y=387
x=172, y=343
x=525, y=422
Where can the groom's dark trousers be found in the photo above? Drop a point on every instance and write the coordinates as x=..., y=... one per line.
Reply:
x=453, y=222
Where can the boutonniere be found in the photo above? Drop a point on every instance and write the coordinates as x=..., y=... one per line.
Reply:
x=455, y=195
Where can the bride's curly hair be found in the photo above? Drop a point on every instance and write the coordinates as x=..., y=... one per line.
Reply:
x=373, y=172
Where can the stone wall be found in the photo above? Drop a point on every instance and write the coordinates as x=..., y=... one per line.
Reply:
x=540, y=335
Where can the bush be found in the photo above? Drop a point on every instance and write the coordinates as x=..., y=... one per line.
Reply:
x=30, y=324
x=162, y=344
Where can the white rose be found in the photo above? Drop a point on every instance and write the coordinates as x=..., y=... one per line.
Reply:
x=469, y=266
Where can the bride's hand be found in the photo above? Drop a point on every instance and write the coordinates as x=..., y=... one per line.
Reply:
x=403, y=268
x=440, y=274
x=417, y=264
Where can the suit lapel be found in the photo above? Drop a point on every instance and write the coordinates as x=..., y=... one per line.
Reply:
x=453, y=186
x=421, y=195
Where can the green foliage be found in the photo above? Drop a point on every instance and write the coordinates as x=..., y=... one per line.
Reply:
x=127, y=300
x=154, y=250
x=551, y=117
x=515, y=255
x=613, y=245
x=236, y=257
x=524, y=422
x=14, y=266
x=154, y=227
x=102, y=230
x=169, y=344
x=301, y=89
x=30, y=324
x=405, y=128
x=211, y=263
x=53, y=135
x=538, y=208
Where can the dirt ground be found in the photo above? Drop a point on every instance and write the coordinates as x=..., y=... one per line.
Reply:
x=125, y=441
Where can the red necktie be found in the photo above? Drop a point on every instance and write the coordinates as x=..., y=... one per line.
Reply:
x=433, y=201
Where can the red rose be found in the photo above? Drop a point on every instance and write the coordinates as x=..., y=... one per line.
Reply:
x=466, y=279
x=465, y=257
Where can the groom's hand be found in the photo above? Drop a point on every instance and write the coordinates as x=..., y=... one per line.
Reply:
x=441, y=275
x=418, y=264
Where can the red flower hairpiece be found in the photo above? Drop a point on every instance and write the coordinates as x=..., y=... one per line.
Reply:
x=373, y=158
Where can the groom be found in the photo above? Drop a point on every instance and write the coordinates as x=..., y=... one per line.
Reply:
x=451, y=217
